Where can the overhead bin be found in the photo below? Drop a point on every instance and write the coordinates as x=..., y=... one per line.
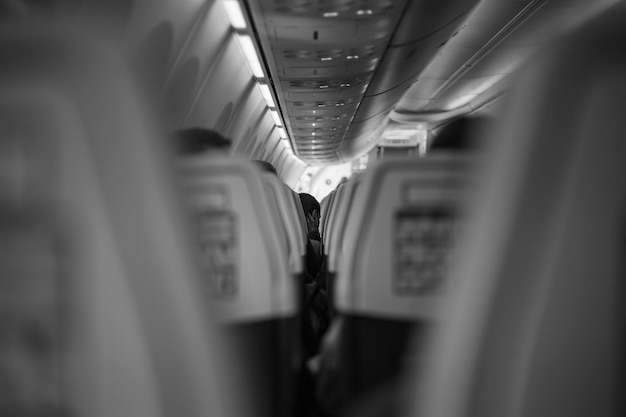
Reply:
x=321, y=57
x=425, y=26
x=474, y=67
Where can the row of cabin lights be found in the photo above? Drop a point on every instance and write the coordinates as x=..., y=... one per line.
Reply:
x=239, y=24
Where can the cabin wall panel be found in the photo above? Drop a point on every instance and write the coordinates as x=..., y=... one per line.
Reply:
x=246, y=149
x=247, y=116
x=265, y=129
x=147, y=14
x=293, y=174
x=238, y=145
x=279, y=156
x=206, y=38
x=180, y=93
x=273, y=147
x=211, y=35
x=226, y=83
x=271, y=143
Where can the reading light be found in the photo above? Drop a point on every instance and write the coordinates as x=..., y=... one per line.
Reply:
x=276, y=118
x=267, y=95
x=331, y=14
x=251, y=56
x=235, y=14
x=327, y=58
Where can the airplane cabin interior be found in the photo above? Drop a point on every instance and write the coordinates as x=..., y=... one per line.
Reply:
x=312, y=208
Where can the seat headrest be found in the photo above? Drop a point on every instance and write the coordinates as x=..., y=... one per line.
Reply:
x=399, y=235
x=242, y=241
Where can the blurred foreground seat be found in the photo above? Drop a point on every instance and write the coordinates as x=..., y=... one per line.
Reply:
x=99, y=308
x=539, y=328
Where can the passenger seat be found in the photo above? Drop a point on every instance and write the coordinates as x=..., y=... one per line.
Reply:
x=245, y=248
x=538, y=328
x=99, y=309
x=392, y=273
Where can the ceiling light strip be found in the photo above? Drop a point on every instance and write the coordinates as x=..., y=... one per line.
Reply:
x=267, y=95
x=235, y=14
x=249, y=50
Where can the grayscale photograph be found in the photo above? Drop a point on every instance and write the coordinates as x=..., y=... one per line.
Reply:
x=312, y=208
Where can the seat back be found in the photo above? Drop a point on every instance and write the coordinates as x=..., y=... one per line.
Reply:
x=327, y=215
x=297, y=203
x=99, y=312
x=343, y=208
x=245, y=253
x=538, y=328
x=398, y=237
x=336, y=227
x=327, y=228
x=324, y=211
x=392, y=274
x=288, y=214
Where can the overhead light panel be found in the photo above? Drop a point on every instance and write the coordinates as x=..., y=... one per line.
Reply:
x=235, y=14
x=267, y=95
x=276, y=118
x=251, y=56
x=282, y=132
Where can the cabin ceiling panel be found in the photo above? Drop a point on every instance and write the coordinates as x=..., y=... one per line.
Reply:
x=321, y=56
x=339, y=67
x=252, y=108
x=228, y=80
